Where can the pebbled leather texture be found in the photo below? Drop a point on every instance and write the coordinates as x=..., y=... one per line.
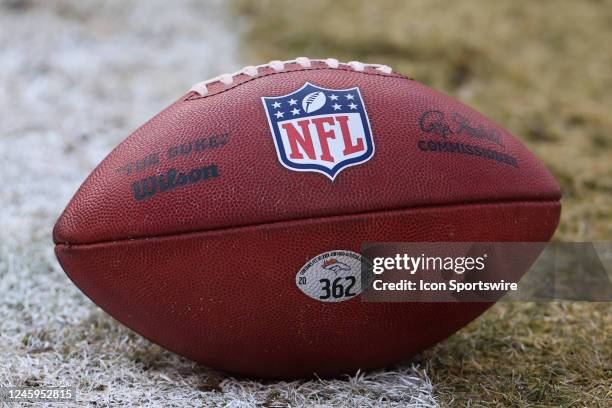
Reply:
x=208, y=270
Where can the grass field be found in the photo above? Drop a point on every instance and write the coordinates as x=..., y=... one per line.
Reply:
x=77, y=77
x=543, y=70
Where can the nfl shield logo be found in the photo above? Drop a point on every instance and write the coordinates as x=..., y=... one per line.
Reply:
x=319, y=129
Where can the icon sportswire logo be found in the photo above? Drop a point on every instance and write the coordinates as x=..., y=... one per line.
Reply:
x=320, y=130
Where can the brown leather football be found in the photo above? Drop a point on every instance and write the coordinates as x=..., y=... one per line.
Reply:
x=196, y=230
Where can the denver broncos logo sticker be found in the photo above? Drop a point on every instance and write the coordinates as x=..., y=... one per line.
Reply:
x=333, y=276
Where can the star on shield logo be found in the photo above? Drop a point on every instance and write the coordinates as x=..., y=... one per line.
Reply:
x=319, y=129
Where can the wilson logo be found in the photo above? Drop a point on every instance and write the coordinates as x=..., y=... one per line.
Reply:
x=150, y=186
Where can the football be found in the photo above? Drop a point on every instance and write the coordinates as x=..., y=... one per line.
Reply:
x=210, y=230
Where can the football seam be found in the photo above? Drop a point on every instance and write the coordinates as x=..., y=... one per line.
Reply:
x=193, y=95
x=306, y=219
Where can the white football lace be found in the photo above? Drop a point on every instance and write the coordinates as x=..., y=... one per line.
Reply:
x=252, y=71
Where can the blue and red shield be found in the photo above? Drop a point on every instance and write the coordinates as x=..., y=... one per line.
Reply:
x=319, y=129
